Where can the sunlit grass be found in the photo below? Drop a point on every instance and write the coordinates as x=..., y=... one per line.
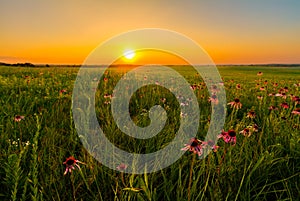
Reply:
x=263, y=166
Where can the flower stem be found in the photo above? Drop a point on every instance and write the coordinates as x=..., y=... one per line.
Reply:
x=122, y=179
x=222, y=159
x=73, y=187
x=190, y=178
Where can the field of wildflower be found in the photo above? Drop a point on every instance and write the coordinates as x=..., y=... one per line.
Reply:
x=257, y=156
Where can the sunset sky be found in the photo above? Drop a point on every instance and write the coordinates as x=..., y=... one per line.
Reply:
x=232, y=31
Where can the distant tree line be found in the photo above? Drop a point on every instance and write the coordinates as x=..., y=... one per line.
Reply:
x=18, y=64
x=27, y=64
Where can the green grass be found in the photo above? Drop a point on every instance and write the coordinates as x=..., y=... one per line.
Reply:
x=264, y=166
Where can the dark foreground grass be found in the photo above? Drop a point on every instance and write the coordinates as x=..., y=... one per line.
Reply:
x=263, y=166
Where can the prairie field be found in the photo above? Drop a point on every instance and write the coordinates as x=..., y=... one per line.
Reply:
x=256, y=158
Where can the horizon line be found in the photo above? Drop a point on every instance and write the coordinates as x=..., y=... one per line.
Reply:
x=124, y=64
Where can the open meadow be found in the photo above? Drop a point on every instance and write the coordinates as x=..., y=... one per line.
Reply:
x=256, y=158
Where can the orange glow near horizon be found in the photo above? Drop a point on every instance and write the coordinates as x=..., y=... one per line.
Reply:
x=77, y=55
x=151, y=57
x=244, y=32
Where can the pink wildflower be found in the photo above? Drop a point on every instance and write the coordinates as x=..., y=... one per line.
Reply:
x=214, y=88
x=236, y=103
x=246, y=132
x=271, y=94
x=18, y=118
x=194, y=146
x=122, y=167
x=107, y=96
x=296, y=99
x=259, y=73
x=229, y=136
x=273, y=108
x=251, y=114
x=62, y=91
x=213, y=99
x=70, y=163
x=284, y=105
x=163, y=100
x=296, y=111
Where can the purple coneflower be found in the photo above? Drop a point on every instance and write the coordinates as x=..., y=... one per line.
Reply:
x=183, y=115
x=272, y=107
x=296, y=98
x=284, y=105
x=260, y=73
x=229, y=136
x=62, y=91
x=214, y=88
x=213, y=99
x=122, y=167
x=296, y=111
x=70, y=163
x=255, y=128
x=262, y=88
x=107, y=96
x=271, y=94
x=194, y=146
x=246, y=132
x=236, y=104
x=283, y=95
x=163, y=100
x=18, y=118
x=184, y=104
x=251, y=114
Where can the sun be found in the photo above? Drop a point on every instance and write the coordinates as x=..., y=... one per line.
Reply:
x=129, y=54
